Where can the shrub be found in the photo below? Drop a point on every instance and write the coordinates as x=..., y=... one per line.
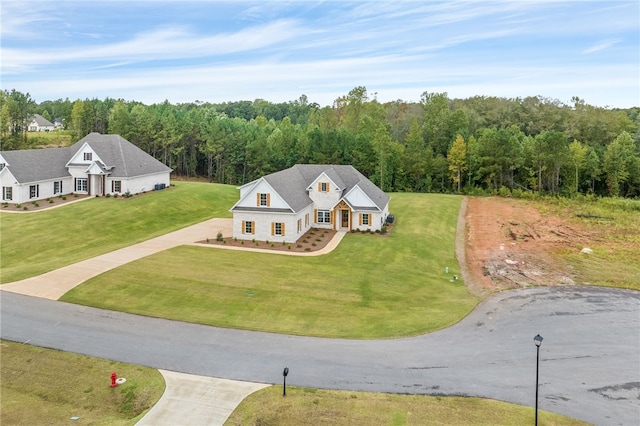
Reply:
x=127, y=194
x=64, y=198
x=108, y=195
x=307, y=249
x=271, y=244
x=298, y=245
x=18, y=206
x=313, y=244
x=383, y=230
x=207, y=239
x=318, y=239
x=219, y=236
x=289, y=246
x=377, y=231
x=75, y=195
x=33, y=202
x=36, y=205
x=25, y=208
x=242, y=242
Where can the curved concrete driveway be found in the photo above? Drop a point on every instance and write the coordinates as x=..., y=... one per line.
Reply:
x=590, y=357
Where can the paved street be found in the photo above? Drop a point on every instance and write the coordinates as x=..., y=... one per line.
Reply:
x=590, y=356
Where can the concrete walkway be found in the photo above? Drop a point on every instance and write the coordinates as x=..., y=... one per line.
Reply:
x=188, y=399
x=197, y=400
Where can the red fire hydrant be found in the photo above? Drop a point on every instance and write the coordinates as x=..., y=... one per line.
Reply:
x=114, y=376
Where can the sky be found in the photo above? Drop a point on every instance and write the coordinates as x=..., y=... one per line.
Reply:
x=223, y=51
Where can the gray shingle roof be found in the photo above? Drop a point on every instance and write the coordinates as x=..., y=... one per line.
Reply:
x=41, y=121
x=126, y=159
x=292, y=183
x=33, y=165
x=121, y=158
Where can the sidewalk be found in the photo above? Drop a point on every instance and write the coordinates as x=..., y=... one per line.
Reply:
x=197, y=400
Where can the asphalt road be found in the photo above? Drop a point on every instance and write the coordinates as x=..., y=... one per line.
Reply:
x=589, y=359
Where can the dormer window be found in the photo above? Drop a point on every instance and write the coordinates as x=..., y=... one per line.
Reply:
x=87, y=156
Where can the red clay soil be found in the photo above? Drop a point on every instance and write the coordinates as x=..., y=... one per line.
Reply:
x=510, y=244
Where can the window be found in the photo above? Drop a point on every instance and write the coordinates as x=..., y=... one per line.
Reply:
x=87, y=156
x=248, y=227
x=324, y=216
x=306, y=220
x=116, y=186
x=2, y=165
x=263, y=200
x=323, y=186
x=7, y=193
x=277, y=228
x=365, y=219
x=57, y=187
x=299, y=225
x=81, y=185
x=34, y=191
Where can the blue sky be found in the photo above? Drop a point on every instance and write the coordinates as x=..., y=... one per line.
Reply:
x=215, y=51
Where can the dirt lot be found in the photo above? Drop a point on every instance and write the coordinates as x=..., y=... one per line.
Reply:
x=510, y=244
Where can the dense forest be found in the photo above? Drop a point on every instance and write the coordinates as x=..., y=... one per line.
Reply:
x=475, y=145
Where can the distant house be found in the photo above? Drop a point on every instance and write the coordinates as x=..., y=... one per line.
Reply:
x=95, y=165
x=283, y=206
x=40, y=124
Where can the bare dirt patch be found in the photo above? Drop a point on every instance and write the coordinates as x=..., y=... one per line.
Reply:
x=511, y=244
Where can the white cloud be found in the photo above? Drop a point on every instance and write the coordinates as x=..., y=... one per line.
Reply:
x=601, y=45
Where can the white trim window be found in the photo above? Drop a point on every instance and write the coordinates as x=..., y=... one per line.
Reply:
x=116, y=186
x=81, y=185
x=7, y=193
x=324, y=216
x=57, y=187
x=34, y=191
x=88, y=156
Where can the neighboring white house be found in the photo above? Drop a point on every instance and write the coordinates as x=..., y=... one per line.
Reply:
x=95, y=165
x=283, y=206
x=40, y=124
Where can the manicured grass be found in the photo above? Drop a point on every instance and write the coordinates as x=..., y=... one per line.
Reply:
x=304, y=406
x=369, y=287
x=43, y=386
x=39, y=242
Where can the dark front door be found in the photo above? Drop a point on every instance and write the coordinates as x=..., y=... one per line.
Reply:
x=345, y=218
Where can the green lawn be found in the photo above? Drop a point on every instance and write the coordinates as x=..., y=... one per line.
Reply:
x=304, y=406
x=369, y=287
x=46, y=387
x=38, y=242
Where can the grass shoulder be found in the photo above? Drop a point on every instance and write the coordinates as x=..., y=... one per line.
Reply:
x=58, y=385
x=304, y=406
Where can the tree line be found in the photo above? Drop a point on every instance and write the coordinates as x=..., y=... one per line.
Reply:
x=477, y=144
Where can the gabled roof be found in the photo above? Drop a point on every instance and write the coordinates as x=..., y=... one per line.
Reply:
x=34, y=165
x=41, y=121
x=292, y=183
x=121, y=158
x=124, y=158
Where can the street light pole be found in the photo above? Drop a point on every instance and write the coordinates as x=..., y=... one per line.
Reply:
x=537, y=341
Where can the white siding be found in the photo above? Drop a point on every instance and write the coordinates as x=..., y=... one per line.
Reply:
x=357, y=197
x=140, y=184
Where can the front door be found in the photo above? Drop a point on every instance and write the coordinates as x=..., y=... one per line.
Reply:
x=345, y=218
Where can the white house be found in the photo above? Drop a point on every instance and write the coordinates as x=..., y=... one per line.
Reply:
x=283, y=206
x=95, y=165
x=40, y=124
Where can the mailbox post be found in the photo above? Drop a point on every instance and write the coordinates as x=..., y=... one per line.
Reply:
x=284, y=377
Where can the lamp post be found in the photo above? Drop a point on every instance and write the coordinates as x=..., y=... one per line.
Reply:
x=537, y=341
x=284, y=384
